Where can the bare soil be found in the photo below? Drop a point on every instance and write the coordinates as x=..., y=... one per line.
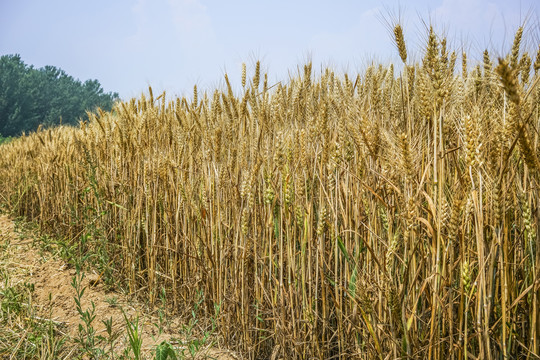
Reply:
x=54, y=296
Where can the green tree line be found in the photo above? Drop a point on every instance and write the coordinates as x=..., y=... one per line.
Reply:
x=47, y=96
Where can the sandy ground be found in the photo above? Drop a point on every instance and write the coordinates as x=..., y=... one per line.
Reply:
x=54, y=296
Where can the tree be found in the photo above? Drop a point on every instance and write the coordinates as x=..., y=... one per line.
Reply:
x=30, y=97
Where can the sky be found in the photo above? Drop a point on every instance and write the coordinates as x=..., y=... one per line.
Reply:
x=173, y=45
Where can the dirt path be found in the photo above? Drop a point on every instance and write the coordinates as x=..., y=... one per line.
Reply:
x=53, y=298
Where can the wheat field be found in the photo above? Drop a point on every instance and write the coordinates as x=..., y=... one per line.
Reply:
x=390, y=214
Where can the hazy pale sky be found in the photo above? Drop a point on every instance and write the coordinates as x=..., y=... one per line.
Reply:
x=174, y=44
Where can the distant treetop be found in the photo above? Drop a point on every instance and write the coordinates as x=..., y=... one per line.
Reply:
x=47, y=96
